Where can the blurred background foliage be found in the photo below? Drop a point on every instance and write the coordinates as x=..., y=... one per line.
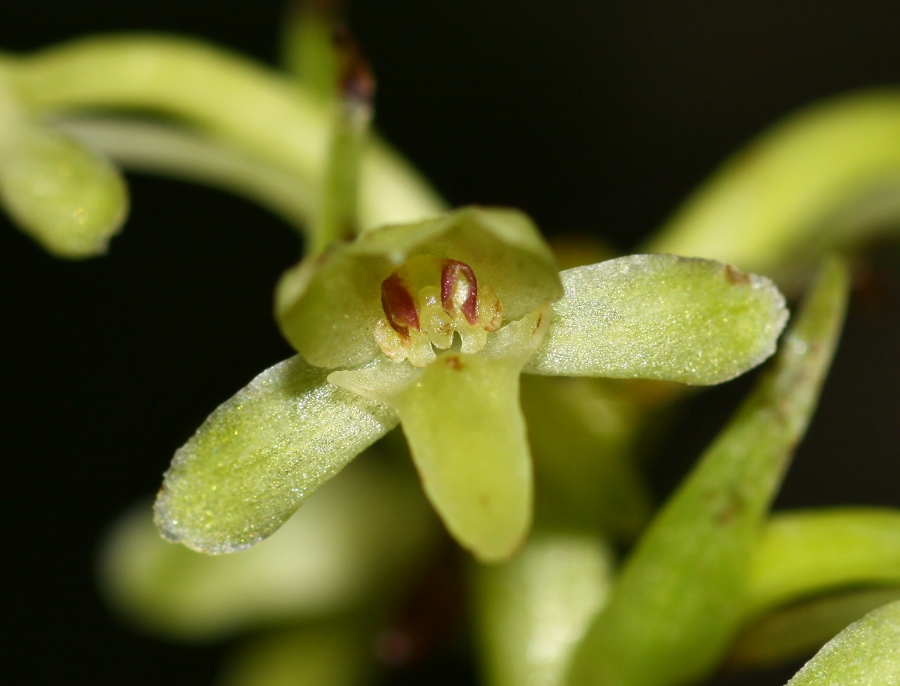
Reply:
x=595, y=118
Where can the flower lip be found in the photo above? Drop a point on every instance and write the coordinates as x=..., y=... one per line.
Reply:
x=427, y=302
x=330, y=308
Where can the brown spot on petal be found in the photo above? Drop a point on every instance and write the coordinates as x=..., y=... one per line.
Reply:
x=736, y=276
x=453, y=362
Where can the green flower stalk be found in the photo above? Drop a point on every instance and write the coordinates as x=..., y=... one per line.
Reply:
x=430, y=324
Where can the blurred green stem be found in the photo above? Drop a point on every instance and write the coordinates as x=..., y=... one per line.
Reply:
x=807, y=553
x=169, y=150
x=254, y=110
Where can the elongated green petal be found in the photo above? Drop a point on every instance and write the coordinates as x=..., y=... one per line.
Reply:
x=825, y=176
x=356, y=540
x=65, y=197
x=533, y=609
x=672, y=613
x=465, y=429
x=804, y=553
x=799, y=630
x=260, y=454
x=866, y=653
x=661, y=317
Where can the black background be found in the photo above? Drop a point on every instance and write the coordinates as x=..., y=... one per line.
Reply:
x=593, y=117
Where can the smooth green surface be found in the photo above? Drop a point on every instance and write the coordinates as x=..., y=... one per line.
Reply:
x=533, y=609
x=357, y=539
x=825, y=176
x=866, y=653
x=327, y=306
x=672, y=613
x=255, y=459
x=809, y=552
x=661, y=317
x=799, y=630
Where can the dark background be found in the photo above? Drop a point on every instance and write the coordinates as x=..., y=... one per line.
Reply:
x=593, y=117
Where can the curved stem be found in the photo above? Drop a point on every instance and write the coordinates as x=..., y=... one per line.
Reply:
x=164, y=149
x=234, y=99
x=810, y=552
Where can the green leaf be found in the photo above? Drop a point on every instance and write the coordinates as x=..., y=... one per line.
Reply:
x=533, y=609
x=866, y=653
x=328, y=305
x=825, y=176
x=466, y=433
x=258, y=456
x=358, y=539
x=661, y=317
x=673, y=611
x=809, y=552
x=66, y=198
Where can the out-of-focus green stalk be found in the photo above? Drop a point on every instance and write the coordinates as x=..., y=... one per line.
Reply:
x=316, y=655
x=806, y=553
x=534, y=609
x=827, y=176
x=338, y=217
x=160, y=148
x=801, y=629
x=673, y=612
x=228, y=97
x=307, y=45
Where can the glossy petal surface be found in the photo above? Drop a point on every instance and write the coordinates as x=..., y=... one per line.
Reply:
x=694, y=559
x=255, y=459
x=661, y=317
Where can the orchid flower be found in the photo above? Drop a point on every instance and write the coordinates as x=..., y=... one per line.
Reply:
x=429, y=325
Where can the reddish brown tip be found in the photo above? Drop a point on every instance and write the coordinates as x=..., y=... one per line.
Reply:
x=355, y=78
x=452, y=272
x=398, y=305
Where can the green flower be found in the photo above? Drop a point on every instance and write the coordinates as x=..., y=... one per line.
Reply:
x=430, y=325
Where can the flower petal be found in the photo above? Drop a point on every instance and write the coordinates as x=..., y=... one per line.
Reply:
x=328, y=305
x=466, y=432
x=260, y=454
x=863, y=653
x=661, y=317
